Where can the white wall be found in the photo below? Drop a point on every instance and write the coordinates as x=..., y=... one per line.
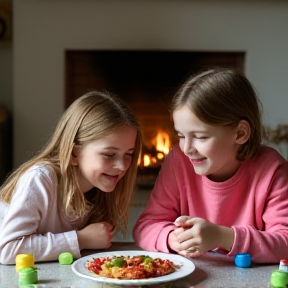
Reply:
x=43, y=29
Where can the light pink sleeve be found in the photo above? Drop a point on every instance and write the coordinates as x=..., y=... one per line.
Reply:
x=31, y=224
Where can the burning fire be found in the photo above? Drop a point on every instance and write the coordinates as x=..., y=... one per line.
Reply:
x=161, y=145
x=162, y=142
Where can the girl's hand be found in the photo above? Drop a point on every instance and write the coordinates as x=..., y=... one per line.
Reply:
x=183, y=221
x=197, y=236
x=173, y=242
x=95, y=236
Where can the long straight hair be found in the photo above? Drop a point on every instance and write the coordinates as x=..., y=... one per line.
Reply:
x=90, y=117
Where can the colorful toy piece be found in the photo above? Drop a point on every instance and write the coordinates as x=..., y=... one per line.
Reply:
x=283, y=265
x=28, y=276
x=24, y=261
x=243, y=260
x=65, y=258
x=279, y=279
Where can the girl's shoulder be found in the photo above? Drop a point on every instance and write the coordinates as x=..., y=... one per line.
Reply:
x=268, y=154
x=177, y=155
x=268, y=159
x=42, y=168
x=38, y=182
x=39, y=172
x=177, y=162
x=36, y=188
x=176, y=151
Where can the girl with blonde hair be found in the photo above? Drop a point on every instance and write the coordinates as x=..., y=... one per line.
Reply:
x=76, y=192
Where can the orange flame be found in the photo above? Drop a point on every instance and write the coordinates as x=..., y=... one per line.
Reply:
x=162, y=145
x=162, y=142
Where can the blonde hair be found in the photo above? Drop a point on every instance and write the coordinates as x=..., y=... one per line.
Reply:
x=90, y=117
x=223, y=97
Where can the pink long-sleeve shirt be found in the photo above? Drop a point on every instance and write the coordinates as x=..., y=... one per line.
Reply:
x=34, y=222
x=254, y=202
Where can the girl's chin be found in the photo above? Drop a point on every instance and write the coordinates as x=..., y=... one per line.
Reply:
x=107, y=189
x=200, y=171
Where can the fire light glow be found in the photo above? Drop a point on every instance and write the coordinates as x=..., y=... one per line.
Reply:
x=146, y=160
x=161, y=143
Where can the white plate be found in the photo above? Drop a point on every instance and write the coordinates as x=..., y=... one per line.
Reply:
x=186, y=268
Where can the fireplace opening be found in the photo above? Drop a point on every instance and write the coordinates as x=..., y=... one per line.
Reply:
x=146, y=80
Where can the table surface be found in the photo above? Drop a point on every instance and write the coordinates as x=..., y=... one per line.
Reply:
x=212, y=270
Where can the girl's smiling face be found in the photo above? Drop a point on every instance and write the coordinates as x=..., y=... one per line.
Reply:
x=103, y=162
x=212, y=150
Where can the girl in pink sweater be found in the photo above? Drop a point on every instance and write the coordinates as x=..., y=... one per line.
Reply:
x=219, y=189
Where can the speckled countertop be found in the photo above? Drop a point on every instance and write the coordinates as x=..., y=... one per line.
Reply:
x=212, y=270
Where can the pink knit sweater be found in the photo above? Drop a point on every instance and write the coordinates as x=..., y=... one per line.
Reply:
x=254, y=202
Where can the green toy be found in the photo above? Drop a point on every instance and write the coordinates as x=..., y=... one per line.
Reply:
x=279, y=279
x=27, y=276
x=65, y=258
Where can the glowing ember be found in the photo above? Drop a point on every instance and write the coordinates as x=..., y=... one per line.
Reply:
x=147, y=160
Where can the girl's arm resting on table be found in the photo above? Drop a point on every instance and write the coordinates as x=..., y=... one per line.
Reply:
x=270, y=244
x=31, y=222
x=263, y=246
x=45, y=247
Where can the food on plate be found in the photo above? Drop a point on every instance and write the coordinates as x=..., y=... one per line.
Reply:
x=130, y=267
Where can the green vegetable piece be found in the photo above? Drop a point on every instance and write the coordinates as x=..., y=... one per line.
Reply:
x=143, y=257
x=146, y=259
x=65, y=258
x=148, y=263
x=118, y=262
x=108, y=265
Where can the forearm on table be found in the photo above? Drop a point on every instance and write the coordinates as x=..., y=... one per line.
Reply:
x=44, y=247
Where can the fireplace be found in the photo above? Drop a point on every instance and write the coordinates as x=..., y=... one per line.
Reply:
x=146, y=80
